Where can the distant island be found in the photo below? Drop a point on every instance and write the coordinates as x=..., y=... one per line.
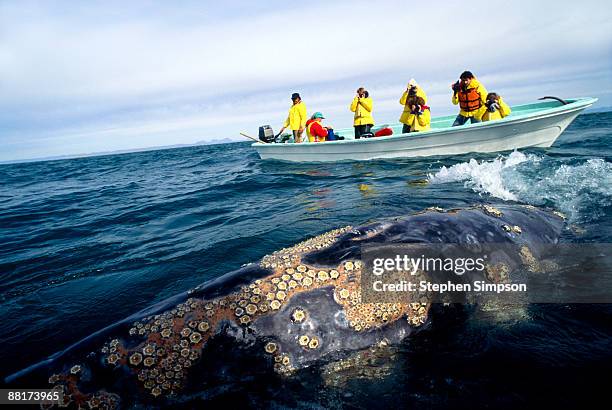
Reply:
x=215, y=141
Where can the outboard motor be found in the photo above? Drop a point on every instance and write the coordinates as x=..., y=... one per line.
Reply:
x=266, y=134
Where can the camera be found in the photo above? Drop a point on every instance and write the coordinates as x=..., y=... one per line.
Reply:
x=492, y=105
x=457, y=87
x=412, y=91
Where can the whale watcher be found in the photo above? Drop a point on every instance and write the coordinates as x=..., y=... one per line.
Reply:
x=418, y=118
x=496, y=108
x=471, y=96
x=362, y=107
x=296, y=120
x=315, y=131
x=412, y=90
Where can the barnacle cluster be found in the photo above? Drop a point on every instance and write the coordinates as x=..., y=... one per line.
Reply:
x=287, y=256
x=491, y=210
x=372, y=363
x=69, y=395
x=160, y=349
x=514, y=229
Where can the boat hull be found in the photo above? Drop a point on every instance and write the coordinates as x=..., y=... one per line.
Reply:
x=527, y=129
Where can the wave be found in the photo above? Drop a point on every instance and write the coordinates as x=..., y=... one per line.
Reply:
x=578, y=189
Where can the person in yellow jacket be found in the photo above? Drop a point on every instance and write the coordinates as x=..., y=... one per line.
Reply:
x=496, y=108
x=412, y=90
x=471, y=96
x=362, y=107
x=296, y=119
x=419, y=117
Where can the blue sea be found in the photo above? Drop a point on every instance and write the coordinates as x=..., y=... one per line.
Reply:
x=86, y=242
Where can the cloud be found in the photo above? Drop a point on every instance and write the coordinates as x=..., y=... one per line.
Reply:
x=111, y=77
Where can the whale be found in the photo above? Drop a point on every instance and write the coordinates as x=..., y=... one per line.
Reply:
x=297, y=308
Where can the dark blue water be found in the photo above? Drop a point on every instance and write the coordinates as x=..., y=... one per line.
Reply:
x=86, y=242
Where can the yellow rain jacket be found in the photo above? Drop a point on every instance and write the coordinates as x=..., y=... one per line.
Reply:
x=418, y=122
x=297, y=117
x=363, y=111
x=504, y=111
x=483, y=98
x=406, y=117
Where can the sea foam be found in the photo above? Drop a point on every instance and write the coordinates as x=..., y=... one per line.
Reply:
x=577, y=189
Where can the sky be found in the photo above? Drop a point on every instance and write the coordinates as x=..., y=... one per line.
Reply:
x=81, y=77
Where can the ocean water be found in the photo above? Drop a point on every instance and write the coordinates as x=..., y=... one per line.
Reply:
x=86, y=242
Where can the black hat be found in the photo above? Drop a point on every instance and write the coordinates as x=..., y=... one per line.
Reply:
x=466, y=74
x=295, y=96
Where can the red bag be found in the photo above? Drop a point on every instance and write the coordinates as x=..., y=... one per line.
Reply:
x=384, y=132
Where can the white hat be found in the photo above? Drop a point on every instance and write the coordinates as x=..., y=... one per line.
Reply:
x=412, y=82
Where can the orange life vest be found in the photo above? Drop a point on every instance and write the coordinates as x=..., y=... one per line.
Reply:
x=469, y=100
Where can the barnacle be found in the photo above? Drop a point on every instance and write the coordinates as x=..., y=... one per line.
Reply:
x=251, y=309
x=282, y=286
x=281, y=295
x=149, y=361
x=245, y=319
x=195, y=337
x=239, y=311
x=301, y=268
x=148, y=349
x=349, y=266
x=344, y=293
x=76, y=369
x=322, y=275
x=113, y=358
x=203, y=326
x=298, y=315
x=334, y=274
x=185, y=332
x=275, y=304
x=156, y=391
x=307, y=281
x=166, y=333
x=303, y=340
x=314, y=342
x=270, y=347
x=135, y=359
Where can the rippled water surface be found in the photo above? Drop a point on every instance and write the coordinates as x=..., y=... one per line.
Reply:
x=86, y=242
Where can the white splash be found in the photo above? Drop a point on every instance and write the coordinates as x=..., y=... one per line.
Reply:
x=578, y=190
x=483, y=177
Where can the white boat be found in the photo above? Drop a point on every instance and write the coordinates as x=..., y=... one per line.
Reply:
x=530, y=125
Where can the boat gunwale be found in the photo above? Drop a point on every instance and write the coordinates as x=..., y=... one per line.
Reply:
x=576, y=105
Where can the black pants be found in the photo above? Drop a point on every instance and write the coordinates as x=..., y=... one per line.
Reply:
x=405, y=129
x=362, y=129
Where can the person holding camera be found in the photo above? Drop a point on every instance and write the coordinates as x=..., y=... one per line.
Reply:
x=407, y=100
x=362, y=107
x=419, y=117
x=296, y=119
x=471, y=96
x=496, y=108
